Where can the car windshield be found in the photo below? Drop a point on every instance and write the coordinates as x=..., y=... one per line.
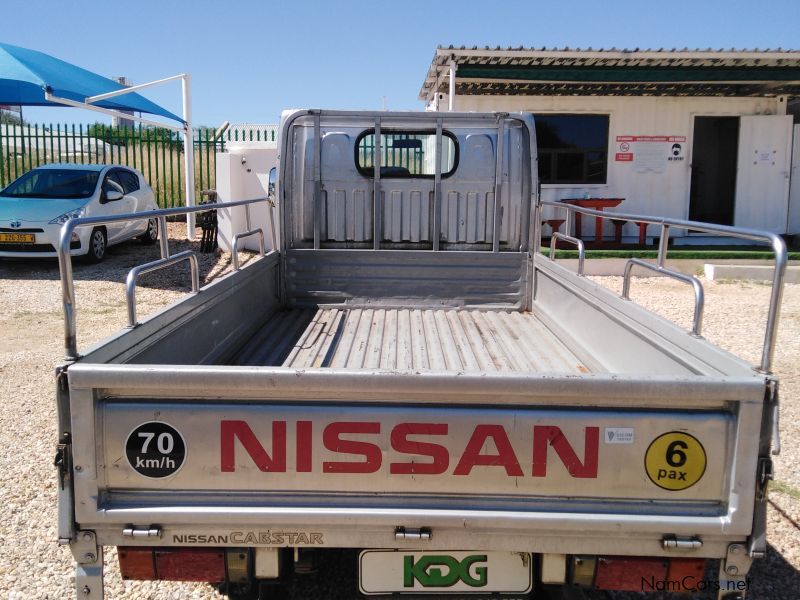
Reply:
x=53, y=183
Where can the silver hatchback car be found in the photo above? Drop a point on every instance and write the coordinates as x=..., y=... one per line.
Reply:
x=35, y=206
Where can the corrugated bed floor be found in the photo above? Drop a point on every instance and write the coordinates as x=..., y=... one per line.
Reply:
x=408, y=339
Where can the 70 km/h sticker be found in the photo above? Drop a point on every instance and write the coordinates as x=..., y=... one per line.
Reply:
x=675, y=461
x=155, y=449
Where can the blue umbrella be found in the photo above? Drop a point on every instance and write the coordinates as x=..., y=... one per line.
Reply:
x=25, y=76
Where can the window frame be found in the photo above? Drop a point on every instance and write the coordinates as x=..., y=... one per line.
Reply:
x=583, y=151
x=128, y=173
x=370, y=172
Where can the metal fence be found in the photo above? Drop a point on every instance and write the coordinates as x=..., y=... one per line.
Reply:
x=158, y=153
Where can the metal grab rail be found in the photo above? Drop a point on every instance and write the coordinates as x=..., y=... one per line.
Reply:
x=777, y=244
x=65, y=257
x=244, y=234
x=699, y=296
x=133, y=275
x=572, y=240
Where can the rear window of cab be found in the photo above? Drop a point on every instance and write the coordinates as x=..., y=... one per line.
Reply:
x=406, y=153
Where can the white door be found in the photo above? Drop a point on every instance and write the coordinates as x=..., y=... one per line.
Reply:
x=762, y=180
x=794, y=185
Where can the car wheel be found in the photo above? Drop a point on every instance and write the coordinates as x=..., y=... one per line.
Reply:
x=151, y=235
x=97, y=245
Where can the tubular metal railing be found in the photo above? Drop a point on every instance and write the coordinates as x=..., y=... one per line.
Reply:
x=776, y=243
x=251, y=231
x=65, y=259
x=567, y=238
x=244, y=234
x=133, y=275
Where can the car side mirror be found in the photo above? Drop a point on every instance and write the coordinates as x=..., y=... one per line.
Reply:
x=273, y=176
x=111, y=196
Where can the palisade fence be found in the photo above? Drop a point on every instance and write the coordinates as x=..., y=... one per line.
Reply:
x=156, y=152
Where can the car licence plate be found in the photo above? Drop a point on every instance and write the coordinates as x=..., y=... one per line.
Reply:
x=444, y=572
x=17, y=238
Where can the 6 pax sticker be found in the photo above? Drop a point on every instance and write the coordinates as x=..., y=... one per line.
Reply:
x=675, y=461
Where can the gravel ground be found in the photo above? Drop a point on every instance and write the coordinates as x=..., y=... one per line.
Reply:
x=32, y=565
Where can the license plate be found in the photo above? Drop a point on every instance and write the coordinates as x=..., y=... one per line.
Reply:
x=17, y=238
x=444, y=572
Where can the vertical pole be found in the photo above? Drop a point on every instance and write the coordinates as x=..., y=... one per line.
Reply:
x=452, y=92
x=663, y=244
x=188, y=151
x=170, y=147
x=96, y=143
x=317, y=182
x=80, y=138
x=58, y=139
x=164, y=148
x=2, y=171
x=207, y=153
x=201, y=153
x=158, y=177
x=52, y=145
x=163, y=240
x=126, y=135
x=437, y=188
x=36, y=141
x=140, y=144
x=377, y=208
x=498, y=182
x=74, y=146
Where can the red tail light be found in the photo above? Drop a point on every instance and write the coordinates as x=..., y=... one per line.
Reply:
x=640, y=574
x=184, y=564
x=686, y=573
x=137, y=563
x=629, y=574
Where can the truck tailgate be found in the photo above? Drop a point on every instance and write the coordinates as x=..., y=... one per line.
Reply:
x=467, y=452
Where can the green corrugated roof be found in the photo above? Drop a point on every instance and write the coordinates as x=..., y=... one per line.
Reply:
x=616, y=72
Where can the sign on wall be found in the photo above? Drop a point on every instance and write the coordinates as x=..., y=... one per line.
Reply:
x=650, y=152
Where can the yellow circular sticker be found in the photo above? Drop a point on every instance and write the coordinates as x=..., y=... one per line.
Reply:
x=675, y=461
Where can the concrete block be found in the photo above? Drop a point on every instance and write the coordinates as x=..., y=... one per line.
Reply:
x=715, y=272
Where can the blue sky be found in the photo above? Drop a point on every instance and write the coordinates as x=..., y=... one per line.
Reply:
x=249, y=60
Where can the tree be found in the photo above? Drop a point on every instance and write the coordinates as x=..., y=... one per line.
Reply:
x=9, y=118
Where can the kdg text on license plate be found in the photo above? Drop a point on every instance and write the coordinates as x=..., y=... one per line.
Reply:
x=443, y=572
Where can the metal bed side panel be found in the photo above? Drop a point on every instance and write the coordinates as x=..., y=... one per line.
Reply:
x=203, y=328
x=617, y=335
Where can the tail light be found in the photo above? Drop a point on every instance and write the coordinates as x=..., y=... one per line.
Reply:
x=179, y=564
x=137, y=563
x=637, y=573
x=629, y=574
x=687, y=572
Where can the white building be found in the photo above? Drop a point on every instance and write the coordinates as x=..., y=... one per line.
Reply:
x=702, y=135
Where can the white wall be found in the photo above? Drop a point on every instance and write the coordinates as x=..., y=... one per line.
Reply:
x=242, y=174
x=665, y=193
x=794, y=191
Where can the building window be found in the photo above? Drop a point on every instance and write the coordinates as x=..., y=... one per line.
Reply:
x=572, y=148
x=406, y=153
